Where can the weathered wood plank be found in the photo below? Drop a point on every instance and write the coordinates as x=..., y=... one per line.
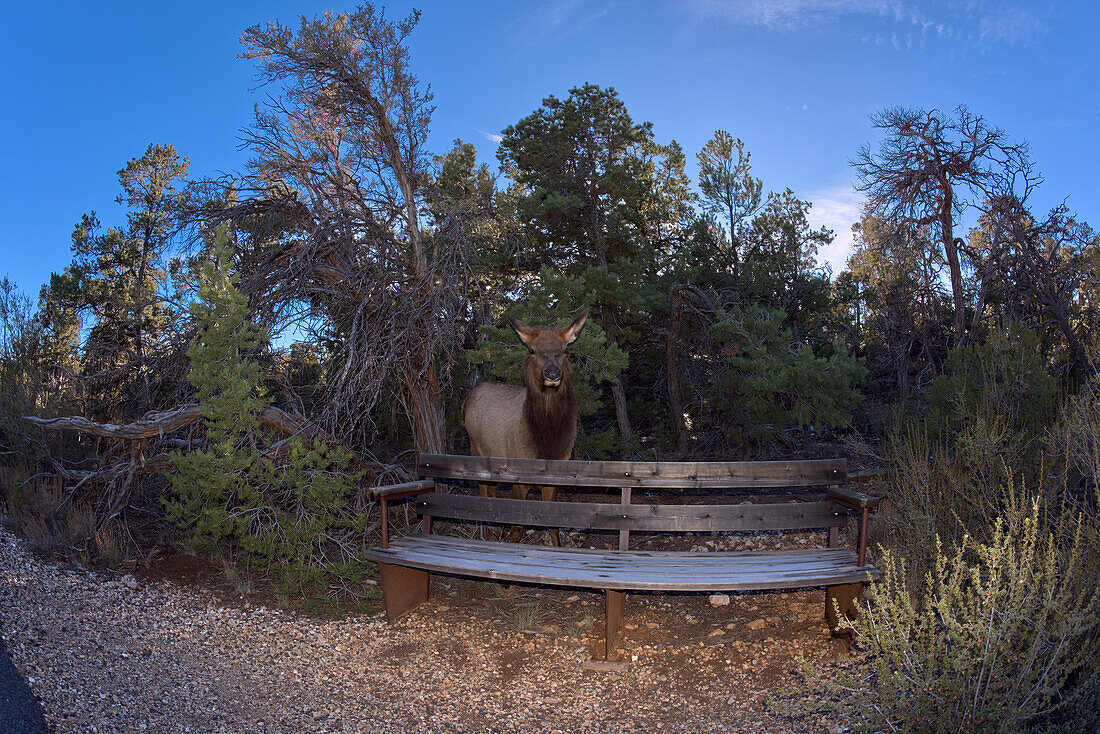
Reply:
x=624, y=535
x=852, y=498
x=767, y=569
x=624, y=581
x=405, y=489
x=658, y=575
x=639, y=474
x=615, y=571
x=667, y=518
x=403, y=588
x=635, y=556
x=447, y=546
x=613, y=619
x=704, y=562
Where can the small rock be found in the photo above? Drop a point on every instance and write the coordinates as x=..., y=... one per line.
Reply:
x=605, y=666
x=130, y=582
x=756, y=624
x=717, y=633
x=719, y=600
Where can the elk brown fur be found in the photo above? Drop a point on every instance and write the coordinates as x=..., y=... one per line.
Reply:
x=536, y=421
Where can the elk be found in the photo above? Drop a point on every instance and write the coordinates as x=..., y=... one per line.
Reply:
x=537, y=421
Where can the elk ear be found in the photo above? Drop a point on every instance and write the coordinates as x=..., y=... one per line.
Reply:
x=526, y=333
x=569, y=333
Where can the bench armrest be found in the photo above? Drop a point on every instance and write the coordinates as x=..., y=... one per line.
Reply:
x=865, y=503
x=405, y=489
x=851, y=498
x=394, y=492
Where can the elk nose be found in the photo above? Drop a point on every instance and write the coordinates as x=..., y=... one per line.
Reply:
x=552, y=374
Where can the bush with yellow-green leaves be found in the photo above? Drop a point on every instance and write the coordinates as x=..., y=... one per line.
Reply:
x=987, y=641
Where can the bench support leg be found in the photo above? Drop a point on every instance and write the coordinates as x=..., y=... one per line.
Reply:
x=403, y=588
x=842, y=601
x=614, y=620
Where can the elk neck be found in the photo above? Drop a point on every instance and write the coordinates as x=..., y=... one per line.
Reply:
x=551, y=417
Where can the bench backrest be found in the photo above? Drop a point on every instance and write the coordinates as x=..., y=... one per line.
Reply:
x=636, y=474
x=635, y=517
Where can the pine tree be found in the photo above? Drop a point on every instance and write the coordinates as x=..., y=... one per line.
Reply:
x=208, y=483
x=284, y=512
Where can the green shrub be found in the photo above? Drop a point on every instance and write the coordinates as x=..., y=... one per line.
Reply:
x=988, y=641
x=954, y=470
x=1004, y=379
x=282, y=508
x=772, y=383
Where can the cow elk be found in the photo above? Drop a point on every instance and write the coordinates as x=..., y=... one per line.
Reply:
x=537, y=421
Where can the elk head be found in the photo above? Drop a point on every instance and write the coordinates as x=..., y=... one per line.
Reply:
x=546, y=367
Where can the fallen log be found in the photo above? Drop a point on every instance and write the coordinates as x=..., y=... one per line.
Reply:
x=124, y=460
x=140, y=465
x=153, y=425
x=161, y=423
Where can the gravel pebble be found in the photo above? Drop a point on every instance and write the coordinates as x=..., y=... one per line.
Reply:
x=107, y=657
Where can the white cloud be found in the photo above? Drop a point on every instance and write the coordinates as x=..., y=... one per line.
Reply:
x=1013, y=26
x=980, y=22
x=786, y=14
x=491, y=137
x=558, y=18
x=837, y=208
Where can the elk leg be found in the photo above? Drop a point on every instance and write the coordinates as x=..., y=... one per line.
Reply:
x=519, y=492
x=550, y=494
x=487, y=490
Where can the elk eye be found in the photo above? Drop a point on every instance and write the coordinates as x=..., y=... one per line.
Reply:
x=530, y=350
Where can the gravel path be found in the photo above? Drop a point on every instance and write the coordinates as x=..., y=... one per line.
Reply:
x=102, y=657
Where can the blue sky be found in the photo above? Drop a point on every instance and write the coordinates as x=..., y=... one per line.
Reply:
x=87, y=86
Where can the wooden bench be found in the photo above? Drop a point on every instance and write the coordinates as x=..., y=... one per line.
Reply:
x=405, y=563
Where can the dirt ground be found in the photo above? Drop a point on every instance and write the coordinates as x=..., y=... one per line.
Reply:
x=177, y=651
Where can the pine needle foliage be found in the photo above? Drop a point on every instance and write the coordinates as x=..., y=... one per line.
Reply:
x=772, y=382
x=288, y=513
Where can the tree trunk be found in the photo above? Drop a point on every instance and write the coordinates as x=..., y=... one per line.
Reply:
x=425, y=406
x=1050, y=295
x=951, y=251
x=681, y=297
x=733, y=246
x=1057, y=310
x=901, y=365
x=979, y=303
x=672, y=381
x=619, y=397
